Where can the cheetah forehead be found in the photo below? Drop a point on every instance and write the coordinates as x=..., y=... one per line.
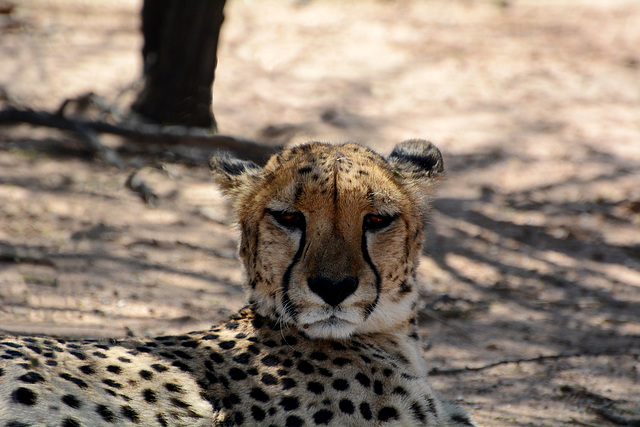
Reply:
x=318, y=157
x=322, y=170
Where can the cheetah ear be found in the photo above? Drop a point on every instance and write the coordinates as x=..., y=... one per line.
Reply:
x=232, y=173
x=417, y=160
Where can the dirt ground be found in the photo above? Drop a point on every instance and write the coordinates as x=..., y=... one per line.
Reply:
x=534, y=247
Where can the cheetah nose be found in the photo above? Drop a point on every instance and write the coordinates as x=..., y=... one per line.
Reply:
x=333, y=292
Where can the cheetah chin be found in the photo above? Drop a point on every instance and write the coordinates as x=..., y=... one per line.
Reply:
x=328, y=326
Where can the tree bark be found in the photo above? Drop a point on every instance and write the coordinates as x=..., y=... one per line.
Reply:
x=179, y=53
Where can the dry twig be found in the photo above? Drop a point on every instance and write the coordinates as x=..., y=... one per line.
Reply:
x=466, y=369
x=141, y=132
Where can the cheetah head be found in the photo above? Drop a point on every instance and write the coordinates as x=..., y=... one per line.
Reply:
x=331, y=234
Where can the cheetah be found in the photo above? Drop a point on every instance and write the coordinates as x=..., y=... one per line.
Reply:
x=330, y=240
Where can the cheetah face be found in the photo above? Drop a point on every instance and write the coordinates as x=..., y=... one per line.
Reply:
x=331, y=234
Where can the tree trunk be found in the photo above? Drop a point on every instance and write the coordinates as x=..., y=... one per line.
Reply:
x=180, y=46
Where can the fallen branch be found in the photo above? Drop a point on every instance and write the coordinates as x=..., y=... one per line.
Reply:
x=455, y=371
x=616, y=417
x=137, y=185
x=142, y=132
x=91, y=139
x=601, y=405
x=23, y=253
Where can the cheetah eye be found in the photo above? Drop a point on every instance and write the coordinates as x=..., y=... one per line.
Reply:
x=373, y=222
x=290, y=220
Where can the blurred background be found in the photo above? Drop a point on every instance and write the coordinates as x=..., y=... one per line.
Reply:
x=534, y=244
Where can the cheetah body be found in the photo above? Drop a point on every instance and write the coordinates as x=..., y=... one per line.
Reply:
x=331, y=236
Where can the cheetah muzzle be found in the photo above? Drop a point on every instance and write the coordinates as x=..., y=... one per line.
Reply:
x=330, y=240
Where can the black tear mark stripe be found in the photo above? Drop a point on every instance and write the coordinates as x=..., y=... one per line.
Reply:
x=298, y=193
x=286, y=301
x=365, y=254
x=249, y=248
x=407, y=243
x=335, y=186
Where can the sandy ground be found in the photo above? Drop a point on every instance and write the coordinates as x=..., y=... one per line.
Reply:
x=535, y=240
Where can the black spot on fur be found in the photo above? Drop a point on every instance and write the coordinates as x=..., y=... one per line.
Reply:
x=257, y=413
x=287, y=363
x=270, y=343
x=325, y=372
x=294, y=421
x=346, y=406
x=182, y=366
x=405, y=288
x=315, y=387
x=175, y=388
x=159, y=368
x=130, y=413
x=179, y=403
x=35, y=349
x=147, y=375
x=305, y=367
x=269, y=379
x=71, y=422
x=399, y=390
x=323, y=416
x=237, y=374
x=431, y=406
x=112, y=383
x=87, y=370
x=76, y=381
x=230, y=401
x=227, y=345
x=340, y=384
x=341, y=361
x=106, y=413
x=11, y=344
x=216, y=357
x=149, y=396
x=388, y=413
x=114, y=369
x=232, y=325
x=259, y=394
x=459, y=418
x=71, y=401
x=242, y=358
x=183, y=355
x=24, y=396
x=289, y=403
x=377, y=387
x=161, y=420
x=318, y=355
x=418, y=413
x=78, y=354
x=288, y=383
x=270, y=360
x=363, y=379
x=31, y=378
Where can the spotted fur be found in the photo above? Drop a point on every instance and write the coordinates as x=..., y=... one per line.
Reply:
x=331, y=237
